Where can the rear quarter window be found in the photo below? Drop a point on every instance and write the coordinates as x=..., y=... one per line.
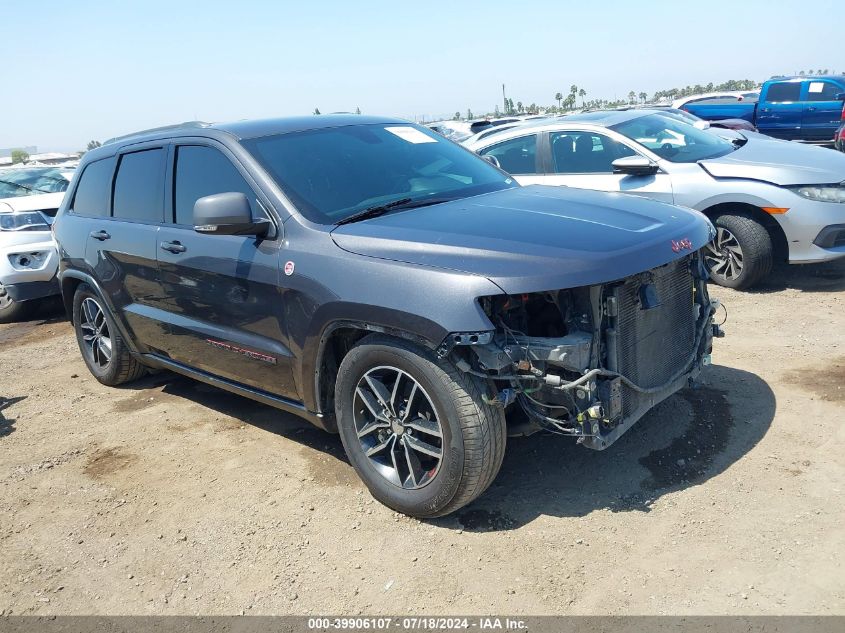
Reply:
x=92, y=193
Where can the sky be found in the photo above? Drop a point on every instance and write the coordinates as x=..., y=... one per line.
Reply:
x=83, y=70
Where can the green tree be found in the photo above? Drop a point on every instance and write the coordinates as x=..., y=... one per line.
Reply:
x=583, y=94
x=93, y=145
x=457, y=116
x=357, y=110
x=19, y=156
x=559, y=98
x=316, y=111
x=643, y=97
x=519, y=106
x=632, y=96
x=496, y=112
x=469, y=114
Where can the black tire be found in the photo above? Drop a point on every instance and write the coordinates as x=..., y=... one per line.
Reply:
x=121, y=366
x=736, y=230
x=473, y=433
x=11, y=310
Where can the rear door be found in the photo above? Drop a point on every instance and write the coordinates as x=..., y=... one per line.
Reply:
x=822, y=112
x=780, y=110
x=583, y=159
x=222, y=296
x=121, y=248
x=520, y=157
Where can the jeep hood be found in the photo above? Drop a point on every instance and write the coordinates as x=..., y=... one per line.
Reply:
x=779, y=162
x=534, y=238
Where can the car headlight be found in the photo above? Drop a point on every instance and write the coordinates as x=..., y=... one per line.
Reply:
x=23, y=221
x=821, y=193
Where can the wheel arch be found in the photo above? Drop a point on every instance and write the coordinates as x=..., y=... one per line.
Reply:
x=779, y=242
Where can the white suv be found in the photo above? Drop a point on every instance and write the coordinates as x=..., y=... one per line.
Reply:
x=29, y=199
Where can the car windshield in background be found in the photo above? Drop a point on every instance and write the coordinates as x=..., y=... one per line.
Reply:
x=29, y=182
x=331, y=174
x=673, y=139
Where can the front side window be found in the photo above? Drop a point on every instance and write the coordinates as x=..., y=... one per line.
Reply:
x=15, y=183
x=577, y=152
x=784, y=92
x=515, y=156
x=92, y=193
x=138, y=186
x=331, y=174
x=823, y=91
x=672, y=139
x=204, y=171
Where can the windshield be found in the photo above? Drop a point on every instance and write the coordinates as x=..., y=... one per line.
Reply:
x=673, y=139
x=333, y=173
x=29, y=182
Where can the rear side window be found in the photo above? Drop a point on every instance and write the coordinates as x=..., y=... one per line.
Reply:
x=721, y=100
x=138, y=186
x=203, y=171
x=823, y=91
x=515, y=156
x=780, y=93
x=92, y=194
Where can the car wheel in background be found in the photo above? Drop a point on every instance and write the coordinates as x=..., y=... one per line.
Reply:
x=741, y=253
x=103, y=349
x=415, y=428
x=11, y=310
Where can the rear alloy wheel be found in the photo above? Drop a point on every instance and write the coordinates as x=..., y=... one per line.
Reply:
x=103, y=349
x=415, y=428
x=741, y=253
x=11, y=310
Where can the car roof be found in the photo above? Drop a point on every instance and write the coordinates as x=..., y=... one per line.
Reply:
x=254, y=128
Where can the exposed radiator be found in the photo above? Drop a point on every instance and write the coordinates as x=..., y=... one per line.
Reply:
x=654, y=344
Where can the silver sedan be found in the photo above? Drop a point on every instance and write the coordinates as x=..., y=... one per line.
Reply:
x=770, y=200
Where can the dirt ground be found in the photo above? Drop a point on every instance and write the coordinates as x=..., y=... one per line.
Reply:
x=170, y=497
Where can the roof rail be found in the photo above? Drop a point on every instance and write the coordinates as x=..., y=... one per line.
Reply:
x=163, y=128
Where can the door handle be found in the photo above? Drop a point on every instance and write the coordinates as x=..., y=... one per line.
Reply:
x=173, y=247
x=811, y=109
x=100, y=235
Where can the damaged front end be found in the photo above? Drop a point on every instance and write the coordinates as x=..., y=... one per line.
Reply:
x=590, y=361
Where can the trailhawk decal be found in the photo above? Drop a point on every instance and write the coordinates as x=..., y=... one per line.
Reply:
x=243, y=352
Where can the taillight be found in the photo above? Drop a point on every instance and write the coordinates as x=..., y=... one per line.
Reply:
x=842, y=117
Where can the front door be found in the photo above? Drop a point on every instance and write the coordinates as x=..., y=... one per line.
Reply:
x=584, y=159
x=221, y=292
x=822, y=110
x=780, y=110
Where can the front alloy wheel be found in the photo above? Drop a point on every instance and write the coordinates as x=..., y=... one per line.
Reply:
x=397, y=427
x=724, y=255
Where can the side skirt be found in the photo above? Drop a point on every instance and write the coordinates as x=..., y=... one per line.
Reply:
x=289, y=406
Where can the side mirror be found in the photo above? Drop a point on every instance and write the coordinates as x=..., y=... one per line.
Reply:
x=492, y=160
x=634, y=166
x=702, y=125
x=227, y=214
x=840, y=96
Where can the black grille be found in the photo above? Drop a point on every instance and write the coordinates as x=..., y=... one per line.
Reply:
x=655, y=344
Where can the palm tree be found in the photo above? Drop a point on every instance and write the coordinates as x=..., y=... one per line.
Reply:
x=316, y=111
x=558, y=98
x=643, y=97
x=582, y=93
x=519, y=106
x=632, y=96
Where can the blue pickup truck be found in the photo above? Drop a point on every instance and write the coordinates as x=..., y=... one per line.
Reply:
x=793, y=108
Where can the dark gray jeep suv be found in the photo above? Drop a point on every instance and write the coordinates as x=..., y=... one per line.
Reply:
x=381, y=281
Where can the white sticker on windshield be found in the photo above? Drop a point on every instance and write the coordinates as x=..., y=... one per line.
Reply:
x=816, y=86
x=410, y=134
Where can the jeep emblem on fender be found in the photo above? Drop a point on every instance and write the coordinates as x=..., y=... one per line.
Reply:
x=289, y=266
x=679, y=245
